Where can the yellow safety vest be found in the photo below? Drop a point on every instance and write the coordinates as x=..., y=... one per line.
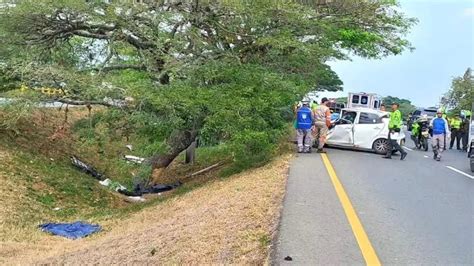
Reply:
x=456, y=123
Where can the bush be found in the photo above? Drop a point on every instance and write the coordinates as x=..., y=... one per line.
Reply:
x=251, y=149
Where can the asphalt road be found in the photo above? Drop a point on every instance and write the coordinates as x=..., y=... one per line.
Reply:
x=418, y=211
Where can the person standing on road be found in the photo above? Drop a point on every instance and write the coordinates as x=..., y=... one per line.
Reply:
x=382, y=108
x=304, y=123
x=314, y=105
x=465, y=132
x=322, y=122
x=455, y=132
x=440, y=128
x=395, y=126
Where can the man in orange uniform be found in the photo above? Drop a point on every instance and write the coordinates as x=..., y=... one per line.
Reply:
x=322, y=122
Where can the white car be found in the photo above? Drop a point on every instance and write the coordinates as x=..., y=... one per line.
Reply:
x=363, y=129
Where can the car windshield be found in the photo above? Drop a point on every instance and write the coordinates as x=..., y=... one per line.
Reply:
x=429, y=113
x=349, y=116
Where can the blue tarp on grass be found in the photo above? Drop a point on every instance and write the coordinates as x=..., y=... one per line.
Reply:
x=71, y=230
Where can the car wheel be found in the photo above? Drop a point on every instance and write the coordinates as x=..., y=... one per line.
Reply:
x=380, y=146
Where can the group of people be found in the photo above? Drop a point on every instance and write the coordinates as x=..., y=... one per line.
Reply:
x=442, y=130
x=312, y=122
x=459, y=131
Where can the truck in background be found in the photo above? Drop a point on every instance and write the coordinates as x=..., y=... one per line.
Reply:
x=364, y=100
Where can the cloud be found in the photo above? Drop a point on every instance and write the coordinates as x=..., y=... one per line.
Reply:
x=469, y=11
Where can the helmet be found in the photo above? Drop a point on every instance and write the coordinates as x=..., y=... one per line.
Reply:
x=424, y=118
x=440, y=111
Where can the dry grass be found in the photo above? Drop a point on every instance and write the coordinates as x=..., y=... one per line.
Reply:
x=227, y=221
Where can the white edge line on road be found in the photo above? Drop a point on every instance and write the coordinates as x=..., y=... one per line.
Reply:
x=407, y=148
x=460, y=172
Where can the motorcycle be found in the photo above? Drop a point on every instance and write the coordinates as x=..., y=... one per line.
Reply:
x=421, y=134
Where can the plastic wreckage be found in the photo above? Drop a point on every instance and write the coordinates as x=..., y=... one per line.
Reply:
x=133, y=195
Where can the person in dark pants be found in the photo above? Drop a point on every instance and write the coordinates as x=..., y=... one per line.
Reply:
x=395, y=126
x=465, y=132
x=455, y=132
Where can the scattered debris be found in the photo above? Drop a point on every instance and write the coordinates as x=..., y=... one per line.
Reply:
x=71, y=230
x=204, y=170
x=134, y=159
x=153, y=252
x=56, y=209
x=129, y=146
x=158, y=188
x=288, y=258
x=86, y=168
x=135, y=199
x=116, y=186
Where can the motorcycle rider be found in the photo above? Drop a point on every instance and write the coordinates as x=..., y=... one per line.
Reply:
x=304, y=123
x=440, y=130
x=395, y=126
x=417, y=127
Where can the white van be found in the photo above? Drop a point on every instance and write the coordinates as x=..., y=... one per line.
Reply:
x=364, y=100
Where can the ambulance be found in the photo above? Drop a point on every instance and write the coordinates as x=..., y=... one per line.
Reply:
x=364, y=100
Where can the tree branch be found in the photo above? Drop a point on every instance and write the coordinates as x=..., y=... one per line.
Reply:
x=77, y=102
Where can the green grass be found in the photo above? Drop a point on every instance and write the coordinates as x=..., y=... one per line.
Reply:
x=56, y=191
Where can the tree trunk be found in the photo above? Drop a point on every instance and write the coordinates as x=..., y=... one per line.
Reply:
x=190, y=153
x=179, y=141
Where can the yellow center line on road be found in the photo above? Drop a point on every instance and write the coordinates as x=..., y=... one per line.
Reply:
x=364, y=243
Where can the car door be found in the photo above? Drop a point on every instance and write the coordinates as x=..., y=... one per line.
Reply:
x=342, y=133
x=368, y=127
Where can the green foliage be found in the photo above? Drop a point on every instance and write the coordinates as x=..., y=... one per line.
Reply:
x=405, y=107
x=228, y=70
x=461, y=95
x=251, y=149
x=341, y=100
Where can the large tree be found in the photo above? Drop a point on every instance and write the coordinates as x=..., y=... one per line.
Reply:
x=222, y=70
x=461, y=95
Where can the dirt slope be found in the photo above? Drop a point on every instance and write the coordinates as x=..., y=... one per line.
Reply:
x=227, y=221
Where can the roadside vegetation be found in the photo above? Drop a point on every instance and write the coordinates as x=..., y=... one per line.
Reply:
x=159, y=76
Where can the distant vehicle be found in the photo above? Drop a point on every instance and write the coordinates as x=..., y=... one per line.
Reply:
x=430, y=112
x=362, y=129
x=336, y=109
x=364, y=100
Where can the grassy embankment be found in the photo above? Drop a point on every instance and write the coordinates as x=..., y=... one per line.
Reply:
x=40, y=185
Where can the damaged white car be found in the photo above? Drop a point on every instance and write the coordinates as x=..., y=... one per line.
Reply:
x=363, y=129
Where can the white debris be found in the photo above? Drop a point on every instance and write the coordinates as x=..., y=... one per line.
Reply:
x=136, y=199
x=129, y=146
x=105, y=182
x=134, y=159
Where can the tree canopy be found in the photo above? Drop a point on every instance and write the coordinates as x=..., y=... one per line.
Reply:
x=223, y=71
x=461, y=95
x=405, y=106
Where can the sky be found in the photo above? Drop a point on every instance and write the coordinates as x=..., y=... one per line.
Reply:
x=444, y=48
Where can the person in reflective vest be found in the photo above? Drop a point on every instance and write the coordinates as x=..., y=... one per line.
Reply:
x=465, y=131
x=304, y=123
x=440, y=130
x=395, y=126
x=455, y=132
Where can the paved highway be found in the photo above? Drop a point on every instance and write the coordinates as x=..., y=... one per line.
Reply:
x=416, y=211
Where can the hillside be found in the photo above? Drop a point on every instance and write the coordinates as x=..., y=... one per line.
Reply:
x=208, y=219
